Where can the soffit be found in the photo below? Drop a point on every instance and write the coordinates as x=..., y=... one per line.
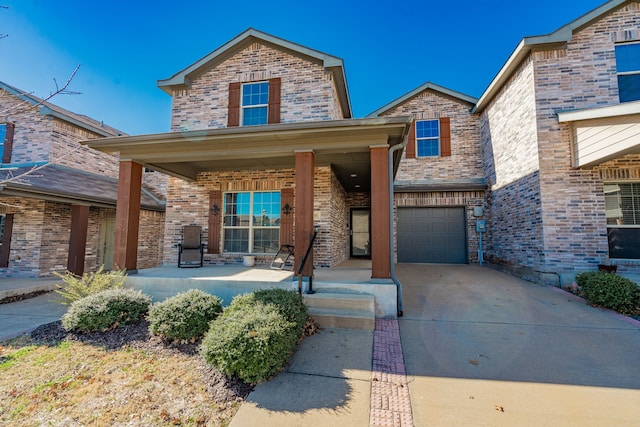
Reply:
x=342, y=144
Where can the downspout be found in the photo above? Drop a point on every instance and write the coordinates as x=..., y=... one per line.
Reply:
x=392, y=150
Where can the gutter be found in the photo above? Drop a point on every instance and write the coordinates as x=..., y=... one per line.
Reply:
x=395, y=279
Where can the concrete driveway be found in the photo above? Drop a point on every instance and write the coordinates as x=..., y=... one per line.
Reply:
x=484, y=348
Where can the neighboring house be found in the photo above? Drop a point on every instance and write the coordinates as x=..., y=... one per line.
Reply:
x=560, y=130
x=540, y=175
x=58, y=197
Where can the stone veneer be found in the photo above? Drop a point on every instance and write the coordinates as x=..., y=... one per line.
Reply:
x=560, y=221
x=308, y=91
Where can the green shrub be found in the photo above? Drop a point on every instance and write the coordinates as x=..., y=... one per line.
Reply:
x=289, y=304
x=253, y=341
x=89, y=284
x=609, y=291
x=106, y=310
x=185, y=316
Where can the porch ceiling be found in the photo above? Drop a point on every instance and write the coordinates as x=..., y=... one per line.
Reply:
x=343, y=144
x=602, y=134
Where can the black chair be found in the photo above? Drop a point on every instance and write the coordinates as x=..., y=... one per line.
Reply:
x=191, y=250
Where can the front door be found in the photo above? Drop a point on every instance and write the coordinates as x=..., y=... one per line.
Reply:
x=360, y=233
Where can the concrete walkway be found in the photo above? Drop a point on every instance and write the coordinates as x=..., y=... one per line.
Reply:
x=478, y=347
x=484, y=348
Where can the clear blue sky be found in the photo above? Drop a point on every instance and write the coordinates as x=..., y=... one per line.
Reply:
x=389, y=48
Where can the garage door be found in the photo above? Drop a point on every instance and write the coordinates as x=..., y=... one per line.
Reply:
x=432, y=235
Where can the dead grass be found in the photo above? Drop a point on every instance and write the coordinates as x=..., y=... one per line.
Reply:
x=73, y=383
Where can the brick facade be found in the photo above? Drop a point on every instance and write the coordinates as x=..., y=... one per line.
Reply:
x=465, y=162
x=41, y=229
x=307, y=92
x=557, y=226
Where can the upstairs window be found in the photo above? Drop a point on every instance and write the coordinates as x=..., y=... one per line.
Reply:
x=628, y=69
x=255, y=103
x=6, y=141
x=428, y=138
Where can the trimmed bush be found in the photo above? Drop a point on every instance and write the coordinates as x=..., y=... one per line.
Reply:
x=253, y=341
x=89, y=284
x=185, y=316
x=106, y=310
x=609, y=291
x=289, y=304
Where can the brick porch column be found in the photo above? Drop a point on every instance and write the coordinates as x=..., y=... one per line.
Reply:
x=78, y=239
x=380, y=239
x=128, y=215
x=305, y=162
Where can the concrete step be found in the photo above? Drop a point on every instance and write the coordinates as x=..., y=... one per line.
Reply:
x=340, y=300
x=344, y=311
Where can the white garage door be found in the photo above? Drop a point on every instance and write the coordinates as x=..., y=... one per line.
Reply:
x=432, y=235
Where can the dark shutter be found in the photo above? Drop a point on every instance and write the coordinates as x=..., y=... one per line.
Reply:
x=274, y=100
x=233, y=118
x=410, y=151
x=215, y=221
x=286, y=221
x=6, y=241
x=445, y=137
x=8, y=142
x=78, y=239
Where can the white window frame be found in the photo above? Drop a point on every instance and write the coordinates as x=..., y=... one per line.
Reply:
x=430, y=138
x=627, y=73
x=253, y=106
x=251, y=227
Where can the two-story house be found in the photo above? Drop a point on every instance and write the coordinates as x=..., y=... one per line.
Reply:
x=539, y=175
x=560, y=131
x=58, y=197
x=264, y=152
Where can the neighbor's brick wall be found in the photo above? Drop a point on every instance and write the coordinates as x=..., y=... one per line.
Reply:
x=24, y=256
x=32, y=137
x=466, y=152
x=510, y=155
x=307, y=92
x=581, y=76
x=466, y=199
x=67, y=151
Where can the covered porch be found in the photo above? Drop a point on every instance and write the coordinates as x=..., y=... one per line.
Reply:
x=313, y=169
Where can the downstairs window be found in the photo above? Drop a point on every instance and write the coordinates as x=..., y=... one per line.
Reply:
x=623, y=219
x=251, y=222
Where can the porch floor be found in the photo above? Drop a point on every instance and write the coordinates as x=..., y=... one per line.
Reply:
x=353, y=271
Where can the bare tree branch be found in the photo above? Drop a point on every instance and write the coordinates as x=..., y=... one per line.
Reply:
x=26, y=104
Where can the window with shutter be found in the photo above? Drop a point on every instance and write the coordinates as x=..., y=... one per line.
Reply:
x=6, y=141
x=254, y=103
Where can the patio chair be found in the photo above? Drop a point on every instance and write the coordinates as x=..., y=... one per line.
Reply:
x=282, y=257
x=191, y=250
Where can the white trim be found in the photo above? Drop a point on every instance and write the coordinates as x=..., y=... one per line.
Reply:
x=623, y=109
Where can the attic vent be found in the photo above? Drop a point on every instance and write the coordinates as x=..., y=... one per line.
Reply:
x=180, y=92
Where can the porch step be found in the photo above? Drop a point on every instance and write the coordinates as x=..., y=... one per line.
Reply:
x=344, y=311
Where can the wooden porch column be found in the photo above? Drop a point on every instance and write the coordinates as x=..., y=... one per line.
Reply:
x=128, y=215
x=305, y=162
x=380, y=239
x=78, y=239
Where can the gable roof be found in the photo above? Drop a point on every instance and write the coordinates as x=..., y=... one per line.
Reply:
x=426, y=86
x=333, y=64
x=557, y=38
x=48, y=109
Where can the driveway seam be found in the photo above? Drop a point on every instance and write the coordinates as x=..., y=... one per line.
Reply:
x=390, y=400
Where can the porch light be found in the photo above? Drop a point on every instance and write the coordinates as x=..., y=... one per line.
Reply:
x=286, y=209
x=215, y=210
